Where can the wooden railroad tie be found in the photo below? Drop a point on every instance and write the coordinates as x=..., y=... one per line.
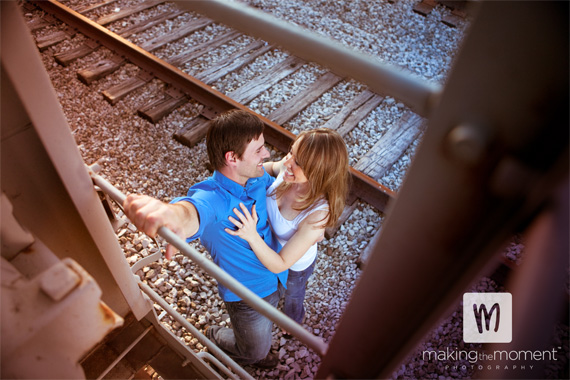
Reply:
x=348, y=209
x=234, y=62
x=67, y=57
x=424, y=7
x=354, y=112
x=454, y=18
x=193, y=132
x=88, y=8
x=195, y=51
x=128, y=11
x=299, y=102
x=118, y=92
x=390, y=147
x=156, y=110
x=384, y=155
x=100, y=69
x=176, y=34
x=265, y=81
x=458, y=10
x=55, y=38
x=39, y=23
x=149, y=23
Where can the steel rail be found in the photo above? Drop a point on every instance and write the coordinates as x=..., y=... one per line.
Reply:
x=363, y=186
x=260, y=305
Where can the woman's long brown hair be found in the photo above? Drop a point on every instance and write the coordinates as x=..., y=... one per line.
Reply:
x=323, y=157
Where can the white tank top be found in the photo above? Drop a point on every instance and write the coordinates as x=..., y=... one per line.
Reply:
x=284, y=228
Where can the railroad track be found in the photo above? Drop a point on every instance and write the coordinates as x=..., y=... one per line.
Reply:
x=64, y=23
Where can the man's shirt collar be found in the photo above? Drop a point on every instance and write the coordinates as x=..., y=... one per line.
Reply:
x=233, y=187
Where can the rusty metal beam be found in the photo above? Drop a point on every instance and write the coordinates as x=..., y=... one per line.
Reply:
x=36, y=139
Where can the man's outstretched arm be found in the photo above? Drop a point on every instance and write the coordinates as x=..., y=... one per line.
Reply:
x=149, y=214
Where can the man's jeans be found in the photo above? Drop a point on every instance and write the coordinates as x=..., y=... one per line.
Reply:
x=295, y=293
x=249, y=339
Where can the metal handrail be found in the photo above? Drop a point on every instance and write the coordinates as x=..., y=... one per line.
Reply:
x=194, y=331
x=257, y=303
x=206, y=356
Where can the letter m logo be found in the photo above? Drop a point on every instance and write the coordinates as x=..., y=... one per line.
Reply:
x=487, y=315
x=478, y=312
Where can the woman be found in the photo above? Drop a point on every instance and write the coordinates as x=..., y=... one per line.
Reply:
x=307, y=196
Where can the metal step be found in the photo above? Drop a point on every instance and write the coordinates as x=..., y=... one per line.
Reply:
x=128, y=353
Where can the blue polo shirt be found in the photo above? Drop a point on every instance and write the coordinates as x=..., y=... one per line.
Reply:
x=214, y=199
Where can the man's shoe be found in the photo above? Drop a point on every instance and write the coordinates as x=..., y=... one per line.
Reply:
x=286, y=335
x=208, y=332
x=270, y=361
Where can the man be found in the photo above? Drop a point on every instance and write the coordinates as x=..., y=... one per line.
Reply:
x=236, y=150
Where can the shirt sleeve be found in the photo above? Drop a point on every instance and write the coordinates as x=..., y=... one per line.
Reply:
x=207, y=202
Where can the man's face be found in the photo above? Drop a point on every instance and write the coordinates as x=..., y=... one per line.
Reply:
x=251, y=163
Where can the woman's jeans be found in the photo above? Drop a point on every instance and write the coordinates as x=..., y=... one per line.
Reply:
x=249, y=339
x=295, y=293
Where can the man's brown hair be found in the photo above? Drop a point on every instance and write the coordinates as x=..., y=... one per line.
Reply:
x=231, y=132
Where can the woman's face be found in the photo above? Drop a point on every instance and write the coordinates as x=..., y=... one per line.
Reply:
x=293, y=172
